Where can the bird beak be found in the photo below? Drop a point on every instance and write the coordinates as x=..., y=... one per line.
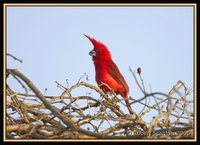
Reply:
x=93, y=53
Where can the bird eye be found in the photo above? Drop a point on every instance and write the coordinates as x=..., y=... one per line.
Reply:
x=98, y=51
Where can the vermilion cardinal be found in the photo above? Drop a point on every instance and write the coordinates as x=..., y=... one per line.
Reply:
x=108, y=75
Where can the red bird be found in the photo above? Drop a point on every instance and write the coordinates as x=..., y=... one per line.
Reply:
x=108, y=75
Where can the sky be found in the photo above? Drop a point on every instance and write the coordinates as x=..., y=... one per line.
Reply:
x=51, y=43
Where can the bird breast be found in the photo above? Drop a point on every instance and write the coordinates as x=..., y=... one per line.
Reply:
x=105, y=80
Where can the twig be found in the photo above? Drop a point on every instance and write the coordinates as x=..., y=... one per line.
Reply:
x=15, y=58
x=137, y=81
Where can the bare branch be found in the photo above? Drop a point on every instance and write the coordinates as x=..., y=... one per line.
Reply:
x=97, y=114
x=15, y=58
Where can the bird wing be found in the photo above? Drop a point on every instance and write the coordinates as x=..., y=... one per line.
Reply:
x=115, y=73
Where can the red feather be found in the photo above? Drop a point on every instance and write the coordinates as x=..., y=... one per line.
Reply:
x=117, y=76
x=108, y=75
